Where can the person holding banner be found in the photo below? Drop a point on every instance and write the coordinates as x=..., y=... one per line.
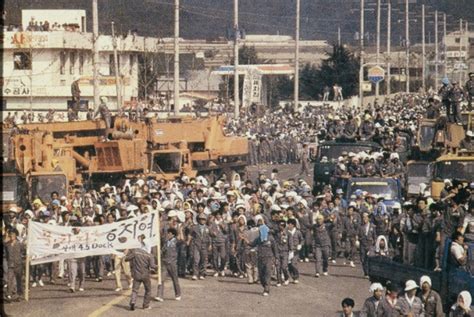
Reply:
x=77, y=268
x=170, y=261
x=141, y=263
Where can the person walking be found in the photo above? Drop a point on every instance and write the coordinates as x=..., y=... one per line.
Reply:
x=14, y=251
x=267, y=252
x=170, y=261
x=304, y=161
x=141, y=264
x=321, y=246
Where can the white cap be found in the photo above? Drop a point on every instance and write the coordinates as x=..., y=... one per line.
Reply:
x=276, y=207
x=425, y=279
x=410, y=285
x=172, y=213
x=470, y=133
x=375, y=286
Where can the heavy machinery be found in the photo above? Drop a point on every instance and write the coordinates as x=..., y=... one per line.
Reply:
x=437, y=136
x=458, y=166
x=57, y=156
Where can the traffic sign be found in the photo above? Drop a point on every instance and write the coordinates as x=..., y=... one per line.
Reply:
x=366, y=86
x=376, y=74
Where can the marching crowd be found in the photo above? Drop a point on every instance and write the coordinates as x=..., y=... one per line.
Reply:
x=262, y=229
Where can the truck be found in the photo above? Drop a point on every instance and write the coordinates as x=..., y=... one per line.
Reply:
x=386, y=187
x=63, y=156
x=326, y=159
x=418, y=172
x=459, y=166
x=449, y=282
x=436, y=137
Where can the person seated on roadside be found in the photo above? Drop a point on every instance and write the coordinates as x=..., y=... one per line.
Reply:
x=468, y=224
x=347, y=307
x=462, y=308
x=381, y=248
x=458, y=250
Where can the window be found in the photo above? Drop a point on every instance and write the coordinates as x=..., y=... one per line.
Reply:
x=72, y=62
x=62, y=63
x=132, y=63
x=21, y=60
x=111, y=64
x=81, y=63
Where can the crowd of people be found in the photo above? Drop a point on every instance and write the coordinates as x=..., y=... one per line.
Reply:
x=263, y=228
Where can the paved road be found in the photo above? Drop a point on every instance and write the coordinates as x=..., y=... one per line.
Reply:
x=226, y=296
x=221, y=296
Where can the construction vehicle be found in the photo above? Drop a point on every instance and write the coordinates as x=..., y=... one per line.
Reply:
x=459, y=166
x=418, y=172
x=437, y=136
x=60, y=156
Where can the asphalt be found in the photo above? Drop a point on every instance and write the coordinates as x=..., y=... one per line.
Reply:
x=222, y=296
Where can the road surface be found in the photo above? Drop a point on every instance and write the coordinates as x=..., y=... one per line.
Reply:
x=223, y=296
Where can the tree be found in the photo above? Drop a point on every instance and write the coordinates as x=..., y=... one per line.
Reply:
x=342, y=68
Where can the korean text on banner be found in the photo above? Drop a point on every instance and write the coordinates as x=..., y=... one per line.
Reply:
x=50, y=243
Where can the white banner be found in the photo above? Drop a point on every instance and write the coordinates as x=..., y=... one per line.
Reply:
x=49, y=243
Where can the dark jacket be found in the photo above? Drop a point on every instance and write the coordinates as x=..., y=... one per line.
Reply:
x=140, y=263
x=433, y=304
x=201, y=239
x=320, y=236
x=170, y=251
x=369, y=309
x=367, y=239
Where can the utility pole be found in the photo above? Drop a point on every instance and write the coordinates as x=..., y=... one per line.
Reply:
x=116, y=68
x=436, y=50
x=389, y=44
x=445, y=59
x=460, y=47
x=339, y=36
x=423, y=49
x=236, y=59
x=407, y=42
x=377, y=85
x=176, y=57
x=297, y=56
x=95, y=55
x=361, y=54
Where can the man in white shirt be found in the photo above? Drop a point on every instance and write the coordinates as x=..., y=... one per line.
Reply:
x=458, y=249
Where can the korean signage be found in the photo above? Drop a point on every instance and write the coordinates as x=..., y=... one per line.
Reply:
x=27, y=39
x=15, y=87
x=48, y=243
